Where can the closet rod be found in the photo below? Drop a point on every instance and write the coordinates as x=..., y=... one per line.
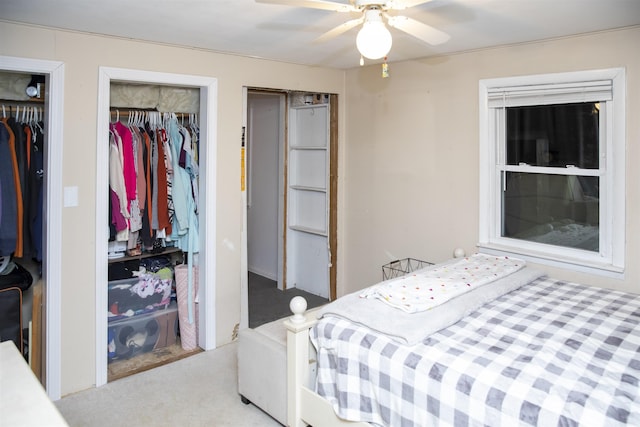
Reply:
x=124, y=112
x=24, y=110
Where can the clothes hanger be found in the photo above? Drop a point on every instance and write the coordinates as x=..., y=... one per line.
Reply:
x=40, y=120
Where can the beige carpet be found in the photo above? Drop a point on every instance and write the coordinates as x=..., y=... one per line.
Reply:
x=201, y=390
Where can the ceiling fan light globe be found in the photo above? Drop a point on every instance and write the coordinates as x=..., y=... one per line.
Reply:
x=374, y=40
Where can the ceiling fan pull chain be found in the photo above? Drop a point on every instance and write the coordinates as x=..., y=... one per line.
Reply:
x=385, y=68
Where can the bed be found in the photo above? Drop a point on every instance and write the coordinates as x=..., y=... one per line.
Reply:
x=519, y=349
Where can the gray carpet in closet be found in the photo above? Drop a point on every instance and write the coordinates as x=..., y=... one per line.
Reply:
x=267, y=302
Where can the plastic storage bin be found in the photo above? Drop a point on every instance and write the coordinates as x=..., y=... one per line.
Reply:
x=142, y=333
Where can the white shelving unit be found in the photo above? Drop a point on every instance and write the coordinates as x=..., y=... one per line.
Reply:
x=308, y=199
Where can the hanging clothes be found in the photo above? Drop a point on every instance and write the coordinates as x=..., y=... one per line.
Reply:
x=23, y=245
x=119, y=210
x=9, y=212
x=162, y=186
x=18, y=188
x=21, y=180
x=146, y=232
x=34, y=211
x=153, y=179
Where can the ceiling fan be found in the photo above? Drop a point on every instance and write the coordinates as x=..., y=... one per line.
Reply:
x=374, y=39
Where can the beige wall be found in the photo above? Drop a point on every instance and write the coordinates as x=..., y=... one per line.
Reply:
x=82, y=56
x=411, y=183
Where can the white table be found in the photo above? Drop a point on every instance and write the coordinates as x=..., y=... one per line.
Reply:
x=23, y=400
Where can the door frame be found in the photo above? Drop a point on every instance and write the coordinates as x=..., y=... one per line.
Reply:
x=333, y=197
x=52, y=259
x=207, y=232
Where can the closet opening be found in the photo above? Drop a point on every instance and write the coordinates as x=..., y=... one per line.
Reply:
x=290, y=159
x=155, y=304
x=22, y=174
x=30, y=179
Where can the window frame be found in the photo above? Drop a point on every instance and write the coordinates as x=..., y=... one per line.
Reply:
x=610, y=260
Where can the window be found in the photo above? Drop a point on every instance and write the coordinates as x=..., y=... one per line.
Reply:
x=552, y=169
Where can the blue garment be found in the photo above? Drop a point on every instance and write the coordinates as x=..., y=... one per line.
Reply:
x=9, y=223
x=185, y=227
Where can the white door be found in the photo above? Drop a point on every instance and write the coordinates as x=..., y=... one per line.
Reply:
x=308, y=252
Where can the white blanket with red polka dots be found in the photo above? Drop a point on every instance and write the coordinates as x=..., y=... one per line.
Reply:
x=429, y=287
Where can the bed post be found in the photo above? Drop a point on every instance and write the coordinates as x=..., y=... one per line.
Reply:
x=298, y=327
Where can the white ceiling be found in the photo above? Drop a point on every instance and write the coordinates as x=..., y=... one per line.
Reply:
x=286, y=33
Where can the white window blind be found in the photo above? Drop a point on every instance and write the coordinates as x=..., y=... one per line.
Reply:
x=546, y=94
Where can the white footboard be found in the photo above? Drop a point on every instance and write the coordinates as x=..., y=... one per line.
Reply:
x=304, y=406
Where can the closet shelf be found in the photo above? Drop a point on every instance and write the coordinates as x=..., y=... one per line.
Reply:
x=32, y=102
x=308, y=147
x=167, y=251
x=307, y=188
x=308, y=230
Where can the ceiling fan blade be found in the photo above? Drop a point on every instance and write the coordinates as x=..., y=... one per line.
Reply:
x=342, y=28
x=418, y=30
x=314, y=4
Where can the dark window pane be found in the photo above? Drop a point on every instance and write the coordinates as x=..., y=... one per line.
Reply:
x=553, y=135
x=560, y=210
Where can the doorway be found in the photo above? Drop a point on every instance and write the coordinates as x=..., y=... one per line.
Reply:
x=53, y=73
x=290, y=194
x=207, y=203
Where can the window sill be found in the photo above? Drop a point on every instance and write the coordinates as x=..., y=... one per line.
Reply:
x=571, y=264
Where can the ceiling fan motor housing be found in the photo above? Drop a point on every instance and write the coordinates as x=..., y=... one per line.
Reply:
x=373, y=15
x=385, y=5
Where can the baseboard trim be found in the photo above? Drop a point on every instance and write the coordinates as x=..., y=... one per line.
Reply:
x=263, y=273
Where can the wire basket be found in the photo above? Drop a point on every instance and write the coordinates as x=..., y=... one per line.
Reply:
x=400, y=267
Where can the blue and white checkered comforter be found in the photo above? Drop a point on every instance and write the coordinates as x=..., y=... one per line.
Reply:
x=548, y=354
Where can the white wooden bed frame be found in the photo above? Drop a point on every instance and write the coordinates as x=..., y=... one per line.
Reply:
x=304, y=406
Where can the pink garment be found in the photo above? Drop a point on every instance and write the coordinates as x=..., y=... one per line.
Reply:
x=128, y=166
x=117, y=219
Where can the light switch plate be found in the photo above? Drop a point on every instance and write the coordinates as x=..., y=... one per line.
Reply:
x=70, y=197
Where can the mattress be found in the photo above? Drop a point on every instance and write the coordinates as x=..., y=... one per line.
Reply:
x=548, y=353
